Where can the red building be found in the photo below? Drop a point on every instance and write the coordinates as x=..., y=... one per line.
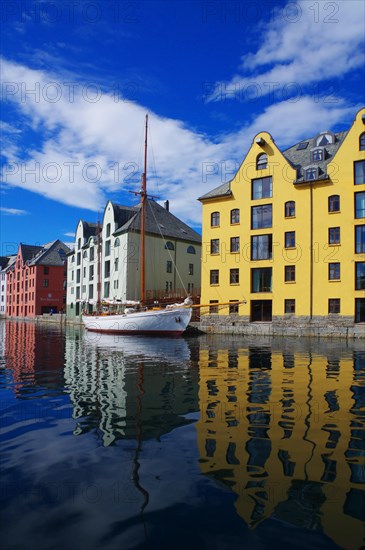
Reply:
x=36, y=282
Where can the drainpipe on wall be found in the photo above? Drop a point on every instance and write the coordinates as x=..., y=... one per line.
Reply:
x=311, y=255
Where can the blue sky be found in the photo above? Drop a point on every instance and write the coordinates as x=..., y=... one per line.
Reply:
x=79, y=76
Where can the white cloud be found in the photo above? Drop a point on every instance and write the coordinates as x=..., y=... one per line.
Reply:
x=13, y=211
x=91, y=149
x=305, y=44
x=69, y=234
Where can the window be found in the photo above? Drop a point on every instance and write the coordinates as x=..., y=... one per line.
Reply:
x=290, y=209
x=107, y=248
x=324, y=138
x=362, y=142
x=359, y=275
x=302, y=145
x=317, y=155
x=360, y=205
x=235, y=216
x=91, y=272
x=214, y=246
x=334, y=305
x=261, y=216
x=46, y=270
x=235, y=244
x=311, y=174
x=261, y=161
x=289, y=273
x=116, y=264
x=289, y=306
x=334, y=271
x=212, y=308
x=290, y=239
x=78, y=258
x=191, y=269
x=78, y=244
x=107, y=269
x=233, y=308
x=334, y=235
x=169, y=245
x=359, y=169
x=234, y=276
x=116, y=242
x=191, y=250
x=261, y=247
x=45, y=282
x=214, y=276
x=78, y=276
x=92, y=254
x=91, y=291
x=108, y=230
x=169, y=266
x=106, y=289
x=261, y=279
x=262, y=188
x=359, y=239
x=214, y=219
x=334, y=203
x=84, y=272
x=359, y=310
x=84, y=254
x=116, y=284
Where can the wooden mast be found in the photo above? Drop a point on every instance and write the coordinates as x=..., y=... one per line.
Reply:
x=143, y=216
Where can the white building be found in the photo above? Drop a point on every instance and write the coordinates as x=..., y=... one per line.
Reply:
x=5, y=263
x=173, y=254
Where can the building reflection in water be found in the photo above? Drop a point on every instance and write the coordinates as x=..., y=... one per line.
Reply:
x=35, y=354
x=119, y=389
x=285, y=431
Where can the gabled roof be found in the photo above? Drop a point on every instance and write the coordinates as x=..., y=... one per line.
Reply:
x=159, y=221
x=90, y=229
x=223, y=190
x=4, y=260
x=300, y=159
x=28, y=251
x=53, y=253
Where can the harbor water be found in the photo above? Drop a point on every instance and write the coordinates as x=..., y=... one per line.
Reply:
x=207, y=442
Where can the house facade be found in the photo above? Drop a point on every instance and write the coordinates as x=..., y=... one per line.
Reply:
x=36, y=281
x=173, y=252
x=5, y=263
x=287, y=233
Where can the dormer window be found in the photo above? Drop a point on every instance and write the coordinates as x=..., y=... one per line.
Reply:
x=311, y=174
x=325, y=138
x=317, y=155
x=261, y=161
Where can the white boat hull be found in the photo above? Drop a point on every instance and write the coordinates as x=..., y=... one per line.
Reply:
x=171, y=322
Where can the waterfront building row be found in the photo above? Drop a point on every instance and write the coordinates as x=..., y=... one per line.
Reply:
x=35, y=280
x=173, y=258
x=287, y=233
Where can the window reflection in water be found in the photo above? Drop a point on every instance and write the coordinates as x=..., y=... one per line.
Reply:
x=288, y=434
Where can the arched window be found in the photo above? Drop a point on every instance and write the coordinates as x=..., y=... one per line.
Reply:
x=261, y=161
x=116, y=242
x=334, y=203
x=79, y=243
x=84, y=255
x=215, y=219
x=290, y=209
x=362, y=142
x=191, y=250
x=169, y=245
x=108, y=229
x=235, y=216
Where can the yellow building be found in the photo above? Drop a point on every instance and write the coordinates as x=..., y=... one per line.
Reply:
x=287, y=234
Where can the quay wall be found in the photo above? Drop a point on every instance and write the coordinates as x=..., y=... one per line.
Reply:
x=317, y=327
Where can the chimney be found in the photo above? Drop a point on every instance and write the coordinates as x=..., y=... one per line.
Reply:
x=167, y=205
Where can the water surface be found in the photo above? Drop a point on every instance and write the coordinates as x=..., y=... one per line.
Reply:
x=203, y=442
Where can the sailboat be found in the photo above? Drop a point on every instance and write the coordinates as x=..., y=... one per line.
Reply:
x=171, y=320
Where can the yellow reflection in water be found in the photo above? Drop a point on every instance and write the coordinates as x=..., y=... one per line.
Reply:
x=284, y=432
